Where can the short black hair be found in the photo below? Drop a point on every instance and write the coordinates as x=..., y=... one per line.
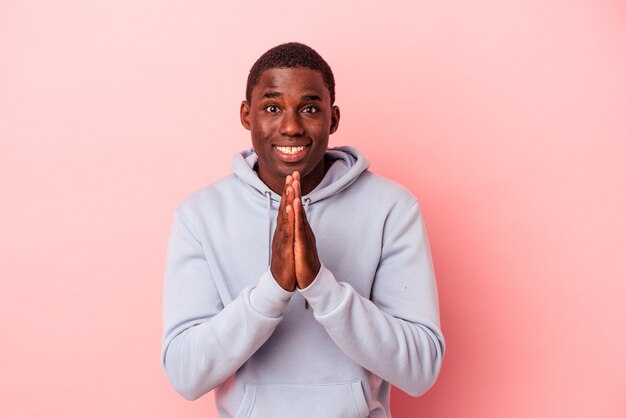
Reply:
x=291, y=55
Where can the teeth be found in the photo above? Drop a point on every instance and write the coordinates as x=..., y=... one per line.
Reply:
x=290, y=150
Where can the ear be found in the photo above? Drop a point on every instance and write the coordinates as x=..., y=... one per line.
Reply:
x=244, y=114
x=334, y=119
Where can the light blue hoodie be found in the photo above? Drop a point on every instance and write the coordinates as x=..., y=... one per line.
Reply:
x=371, y=319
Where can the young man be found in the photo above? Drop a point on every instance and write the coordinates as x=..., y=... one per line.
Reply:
x=301, y=285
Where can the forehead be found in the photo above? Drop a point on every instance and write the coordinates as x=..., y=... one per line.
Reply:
x=294, y=82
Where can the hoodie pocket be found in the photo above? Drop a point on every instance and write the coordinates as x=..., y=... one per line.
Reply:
x=337, y=400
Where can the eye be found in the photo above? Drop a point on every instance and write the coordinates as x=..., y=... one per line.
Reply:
x=310, y=109
x=271, y=108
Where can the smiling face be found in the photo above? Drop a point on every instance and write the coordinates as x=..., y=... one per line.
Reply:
x=290, y=117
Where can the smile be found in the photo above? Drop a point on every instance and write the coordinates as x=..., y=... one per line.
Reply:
x=291, y=154
x=290, y=150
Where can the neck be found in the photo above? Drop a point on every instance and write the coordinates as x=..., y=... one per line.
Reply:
x=307, y=182
x=310, y=181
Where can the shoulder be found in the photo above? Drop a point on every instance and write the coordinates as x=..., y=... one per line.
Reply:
x=381, y=189
x=209, y=197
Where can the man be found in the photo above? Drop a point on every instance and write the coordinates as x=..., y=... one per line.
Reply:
x=301, y=285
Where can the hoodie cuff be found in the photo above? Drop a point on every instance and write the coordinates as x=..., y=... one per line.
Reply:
x=324, y=294
x=268, y=298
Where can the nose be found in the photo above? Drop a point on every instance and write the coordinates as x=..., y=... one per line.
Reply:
x=291, y=124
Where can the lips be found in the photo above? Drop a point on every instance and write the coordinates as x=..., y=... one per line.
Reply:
x=291, y=154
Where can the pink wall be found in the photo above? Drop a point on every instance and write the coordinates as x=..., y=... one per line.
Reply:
x=507, y=119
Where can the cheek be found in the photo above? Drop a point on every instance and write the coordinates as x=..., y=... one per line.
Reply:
x=257, y=133
x=323, y=131
x=262, y=130
x=323, y=126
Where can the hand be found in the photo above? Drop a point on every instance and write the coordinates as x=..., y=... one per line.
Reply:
x=307, y=263
x=282, y=264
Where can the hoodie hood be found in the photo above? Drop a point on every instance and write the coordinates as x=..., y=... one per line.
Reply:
x=347, y=163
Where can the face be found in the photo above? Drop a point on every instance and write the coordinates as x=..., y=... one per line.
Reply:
x=290, y=118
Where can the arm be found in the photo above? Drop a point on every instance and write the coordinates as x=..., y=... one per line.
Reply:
x=396, y=334
x=205, y=342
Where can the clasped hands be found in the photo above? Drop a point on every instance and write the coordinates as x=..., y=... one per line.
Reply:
x=295, y=262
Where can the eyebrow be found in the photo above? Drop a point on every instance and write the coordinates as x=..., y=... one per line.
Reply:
x=272, y=94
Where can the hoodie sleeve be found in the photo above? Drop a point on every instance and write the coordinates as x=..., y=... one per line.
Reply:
x=396, y=335
x=205, y=342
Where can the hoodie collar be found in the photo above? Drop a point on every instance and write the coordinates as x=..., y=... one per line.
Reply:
x=347, y=164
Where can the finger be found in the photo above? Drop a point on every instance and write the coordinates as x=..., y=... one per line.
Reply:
x=285, y=216
x=290, y=216
x=286, y=203
x=299, y=226
x=296, y=178
x=297, y=189
x=284, y=196
x=305, y=227
x=303, y=232
x=302, y=223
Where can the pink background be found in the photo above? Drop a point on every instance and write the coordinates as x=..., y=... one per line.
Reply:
x=506, y=119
